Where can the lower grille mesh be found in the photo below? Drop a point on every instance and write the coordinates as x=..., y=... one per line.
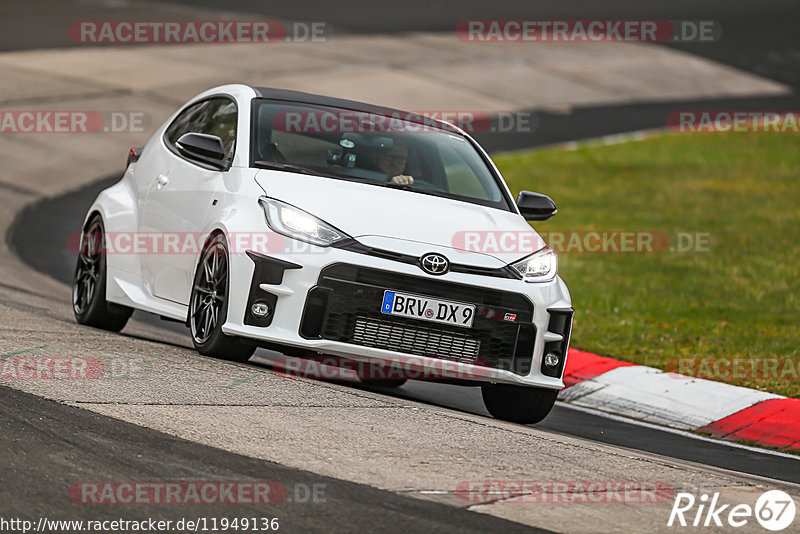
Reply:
x=418, y=340
x=345, y=306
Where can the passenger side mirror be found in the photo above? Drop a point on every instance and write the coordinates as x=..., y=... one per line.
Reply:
x=536, y=206
x=204, y=148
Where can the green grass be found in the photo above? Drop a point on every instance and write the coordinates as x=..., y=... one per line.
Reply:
x=740, y=300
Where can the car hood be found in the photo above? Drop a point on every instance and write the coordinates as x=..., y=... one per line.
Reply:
x=405, y=221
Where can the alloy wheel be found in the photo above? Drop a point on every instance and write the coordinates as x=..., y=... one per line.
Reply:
x=208, y=294
x=87, y=276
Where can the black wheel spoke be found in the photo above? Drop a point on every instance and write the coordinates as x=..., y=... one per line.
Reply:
x=87, y=272
x=208, y=294
x=210, y=268
x=207, y=321
x=89, y=291
x=220, y=282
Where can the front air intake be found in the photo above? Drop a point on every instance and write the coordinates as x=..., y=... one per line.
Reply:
x=560, y=323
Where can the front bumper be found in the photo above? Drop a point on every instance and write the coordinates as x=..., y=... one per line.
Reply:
x=328, y=301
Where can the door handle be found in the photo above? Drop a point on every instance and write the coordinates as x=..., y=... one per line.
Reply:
x=162, y=180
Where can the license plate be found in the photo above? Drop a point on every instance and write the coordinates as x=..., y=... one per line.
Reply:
x=428, y=309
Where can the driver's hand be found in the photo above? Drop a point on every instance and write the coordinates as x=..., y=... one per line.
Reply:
x=403, y=179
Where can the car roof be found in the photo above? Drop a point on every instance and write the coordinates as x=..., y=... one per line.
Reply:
x=321, y=100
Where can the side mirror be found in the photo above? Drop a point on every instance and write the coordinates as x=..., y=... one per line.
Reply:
x=204, y=148
x=535, y=206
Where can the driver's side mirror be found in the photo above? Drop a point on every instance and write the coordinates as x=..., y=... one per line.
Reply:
x=536, y=206
x=204, y=148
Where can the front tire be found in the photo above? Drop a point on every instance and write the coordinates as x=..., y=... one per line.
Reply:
x=89, y=283
x=518, y=404
x=208, y=306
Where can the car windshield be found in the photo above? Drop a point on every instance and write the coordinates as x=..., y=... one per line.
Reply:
x=375, y=149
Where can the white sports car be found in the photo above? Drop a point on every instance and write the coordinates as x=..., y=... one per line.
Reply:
x=318, y=226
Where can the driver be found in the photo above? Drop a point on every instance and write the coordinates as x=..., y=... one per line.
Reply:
x=393, y=163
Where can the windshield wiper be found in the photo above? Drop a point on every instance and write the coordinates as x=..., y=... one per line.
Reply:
x=409, y=187
x=288, y=167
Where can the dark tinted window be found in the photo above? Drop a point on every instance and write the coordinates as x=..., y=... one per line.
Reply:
x=216, y=116
x=374, y=149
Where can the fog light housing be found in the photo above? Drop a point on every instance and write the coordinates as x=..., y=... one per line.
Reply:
x=260, y=309
x=551, y=359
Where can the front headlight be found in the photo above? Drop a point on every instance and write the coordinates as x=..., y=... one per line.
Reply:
x=293, y=222
x=541, y=266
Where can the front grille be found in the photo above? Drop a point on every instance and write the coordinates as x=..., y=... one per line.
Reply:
x=419, y=340
x=354, y=246
x=346, y=302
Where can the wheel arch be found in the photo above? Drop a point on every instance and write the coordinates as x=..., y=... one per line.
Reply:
x=94, y=212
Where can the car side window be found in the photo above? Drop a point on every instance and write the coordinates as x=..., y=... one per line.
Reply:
x=215, y=116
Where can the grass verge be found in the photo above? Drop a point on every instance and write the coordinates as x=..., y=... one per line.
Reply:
x=727, y=311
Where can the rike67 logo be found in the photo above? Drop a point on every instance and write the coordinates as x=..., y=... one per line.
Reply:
x=774, y=510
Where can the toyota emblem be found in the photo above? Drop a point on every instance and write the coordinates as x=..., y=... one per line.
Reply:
x=434, y=263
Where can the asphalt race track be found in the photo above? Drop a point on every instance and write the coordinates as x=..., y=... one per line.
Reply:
x=760, y=36
x=47, y=225
x=31, y=423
